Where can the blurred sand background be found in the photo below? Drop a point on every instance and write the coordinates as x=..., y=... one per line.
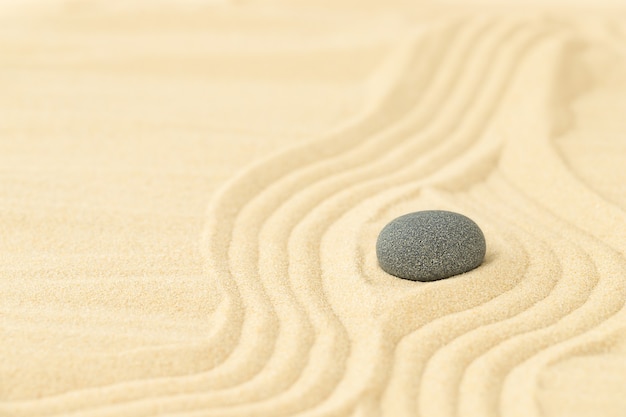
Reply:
x=190, y=193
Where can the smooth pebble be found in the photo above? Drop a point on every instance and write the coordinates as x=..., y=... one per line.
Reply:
x=430, y=245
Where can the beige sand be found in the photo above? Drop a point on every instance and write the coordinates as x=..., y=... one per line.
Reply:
x=190, y=193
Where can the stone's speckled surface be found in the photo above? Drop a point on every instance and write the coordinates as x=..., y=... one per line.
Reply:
x=430, y=245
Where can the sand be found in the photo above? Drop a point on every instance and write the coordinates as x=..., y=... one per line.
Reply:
x=190, y=195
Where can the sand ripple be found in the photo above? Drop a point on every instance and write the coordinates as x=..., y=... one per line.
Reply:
x=469, y=114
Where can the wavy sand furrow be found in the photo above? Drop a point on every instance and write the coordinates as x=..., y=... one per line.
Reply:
x=216, y=353
x=606, y=299
x=276, y=236
x=440, y=338
x=582, y=300
x=247, y=228
x=570, y=293
x=606, y=310
x=348, y=307
x=430, y=402
x=220, y=217
x=251, y=214
x=463, y=114
x=156, y=387
x=520, y=287
x=219, y=338
x=310, y=232
x=470, y=344
x=306, y=263
x=597, y=341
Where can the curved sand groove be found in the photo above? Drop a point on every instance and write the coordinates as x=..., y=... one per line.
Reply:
x=231, y=321
x=282, y=216
x=361, y=307
x=257, y=211
x=439, y=339
x=615, y=293
x=310, y=255
x=435, y=408
x=439, y=407
x=464, y=349
x=306, y=322
x=581, y=295
x=210, y=354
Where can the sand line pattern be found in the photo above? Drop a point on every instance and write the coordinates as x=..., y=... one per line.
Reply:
x=307, y=256
x=438, y=387
x=309, y=326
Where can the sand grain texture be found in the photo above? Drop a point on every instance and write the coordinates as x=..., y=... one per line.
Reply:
x=191, y=192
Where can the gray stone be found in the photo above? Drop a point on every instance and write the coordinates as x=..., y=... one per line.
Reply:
x=430, y=245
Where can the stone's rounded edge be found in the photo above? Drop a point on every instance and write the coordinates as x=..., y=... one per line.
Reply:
x=402, y=251
x=387, y=251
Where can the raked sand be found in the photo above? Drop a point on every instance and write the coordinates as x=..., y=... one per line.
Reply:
x=190, y=195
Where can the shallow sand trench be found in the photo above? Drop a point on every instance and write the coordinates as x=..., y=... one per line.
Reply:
x=190, y=195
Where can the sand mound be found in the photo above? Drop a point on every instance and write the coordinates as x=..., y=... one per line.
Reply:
x=304, y=131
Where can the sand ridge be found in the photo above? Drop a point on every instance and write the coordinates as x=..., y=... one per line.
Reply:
x=471, y=112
